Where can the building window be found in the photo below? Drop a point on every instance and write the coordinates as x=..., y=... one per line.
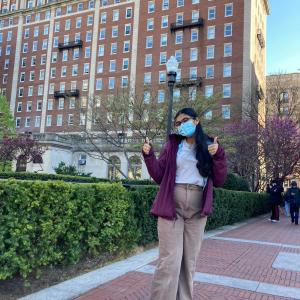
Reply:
x=113, y=48
x=128, y=14
x=39, y=105
x=18, y=122
x=82, y=119
x=68, y=25
x=147, y=78
x=164, y=22
x=151, y=7
x=165, y=4
x=227, y=70
x=192, y=93
x=210, y=71
x=49, y=120
x=85, y=85
x=30, y=91
x=101, y=50
x=179, y=37
x=193, y=54
x=176, y=95
x=63, y=71
x=112, y=66
x=116, y=15
x=111, y=83
x=163, y=40
x=211, y=13
x=114, y=32
x=149, y=42
x=209, y=91
x=229, y=10
x=162, y=76
x=211, y=32
x=103, y=18
x=27, y=122
x=126, y=46
x=100, y=67
x=102, y=34
x=125, y=65
x=226, y=90
x=135, y=167
x=37, y=121
x=50, y=104
x=178, y=55
x=59, y=120
x=113, y=168
x=80, y=7
x=148, y=60
x=227, y=49
x=208, y=115
x=78, y=22
x=227, y=29
x=88, y=36
x=210, y=52
x=19, y=107
x=87, y=52
x=99, y=84
x=160, y=96
x=162, y=58
x=194, y=35
x=127, y=29
x=150, y=24
x=86, y=68
x=70, y=119
x=124, y=81
x=193, y=73
x=226, y=112
x=180, y=3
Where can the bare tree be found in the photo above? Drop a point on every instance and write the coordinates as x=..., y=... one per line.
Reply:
x=121, y=122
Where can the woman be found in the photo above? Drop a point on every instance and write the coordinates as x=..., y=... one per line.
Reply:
x=187, y=168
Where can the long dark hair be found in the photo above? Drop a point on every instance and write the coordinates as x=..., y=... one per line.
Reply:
x=204, y=163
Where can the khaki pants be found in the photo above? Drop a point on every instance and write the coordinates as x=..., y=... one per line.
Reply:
x=179, y=246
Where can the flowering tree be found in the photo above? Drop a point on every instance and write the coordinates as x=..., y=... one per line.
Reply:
x=258, y=153
x=19, y=148
x=281, y=145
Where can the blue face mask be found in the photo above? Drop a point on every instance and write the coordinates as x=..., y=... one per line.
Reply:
x=187, y=129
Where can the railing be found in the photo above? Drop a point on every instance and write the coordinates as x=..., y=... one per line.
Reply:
x=186, y=24
x=67, y=45
x=189, y=82
x=67, y=93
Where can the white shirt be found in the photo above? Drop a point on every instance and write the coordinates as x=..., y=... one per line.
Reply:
x=187, y=171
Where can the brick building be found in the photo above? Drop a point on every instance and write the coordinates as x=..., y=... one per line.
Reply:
x=56, y=55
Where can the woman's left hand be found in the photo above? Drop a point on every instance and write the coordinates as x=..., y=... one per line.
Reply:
x=213, y=148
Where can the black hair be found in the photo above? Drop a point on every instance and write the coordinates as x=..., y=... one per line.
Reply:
x=203, y=157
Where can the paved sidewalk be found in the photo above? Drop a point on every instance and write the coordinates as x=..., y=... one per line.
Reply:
x=253, y=260
x=260, y=260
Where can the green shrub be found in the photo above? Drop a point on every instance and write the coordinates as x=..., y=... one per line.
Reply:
x=41, y=176
x=236, y=183
x=64, y=169
x=47, y=223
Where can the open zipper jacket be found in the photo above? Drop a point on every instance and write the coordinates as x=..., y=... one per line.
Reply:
x=163, y=172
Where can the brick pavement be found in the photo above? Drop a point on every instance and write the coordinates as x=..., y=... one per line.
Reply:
x=250, y=261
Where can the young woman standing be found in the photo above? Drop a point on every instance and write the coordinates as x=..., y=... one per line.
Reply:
x=188, y=167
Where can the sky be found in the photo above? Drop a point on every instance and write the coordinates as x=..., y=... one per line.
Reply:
x=283, y=36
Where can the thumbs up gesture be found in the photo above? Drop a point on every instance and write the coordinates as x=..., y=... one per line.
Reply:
x=147, y=146
x=213, y=148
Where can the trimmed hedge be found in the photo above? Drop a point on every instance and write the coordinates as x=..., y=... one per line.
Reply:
x=46, y=177
x=236, y=183
x=48, y=223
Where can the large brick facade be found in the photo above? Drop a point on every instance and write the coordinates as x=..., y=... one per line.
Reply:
x=89, y=48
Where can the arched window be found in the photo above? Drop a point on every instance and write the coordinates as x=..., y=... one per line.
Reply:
x=113, y=166
x=135, y=167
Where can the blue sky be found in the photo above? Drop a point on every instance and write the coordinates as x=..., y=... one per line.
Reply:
x=283, y=36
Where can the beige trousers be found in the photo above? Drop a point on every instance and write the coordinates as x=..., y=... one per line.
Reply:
x=179, y=246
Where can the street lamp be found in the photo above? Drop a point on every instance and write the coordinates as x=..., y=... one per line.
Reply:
x=172, y=68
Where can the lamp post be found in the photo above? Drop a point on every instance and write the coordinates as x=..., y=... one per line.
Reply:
x=172, y=68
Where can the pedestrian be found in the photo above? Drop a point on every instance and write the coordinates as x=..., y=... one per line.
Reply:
x=189, y=165
x=275, y=190
x=292, y=196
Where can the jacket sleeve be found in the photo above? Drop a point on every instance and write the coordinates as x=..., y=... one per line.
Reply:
x=156, y=166
x=219, y=167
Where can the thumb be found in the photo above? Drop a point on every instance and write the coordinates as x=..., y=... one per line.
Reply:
x=216, y=140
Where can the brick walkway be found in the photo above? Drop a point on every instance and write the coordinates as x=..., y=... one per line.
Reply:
x=243, y=254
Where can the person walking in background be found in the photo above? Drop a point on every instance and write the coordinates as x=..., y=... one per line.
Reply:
x=275, y=190
x=292, y=196
x=189, y=165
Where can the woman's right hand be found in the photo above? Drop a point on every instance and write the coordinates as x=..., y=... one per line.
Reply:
x=147, y=146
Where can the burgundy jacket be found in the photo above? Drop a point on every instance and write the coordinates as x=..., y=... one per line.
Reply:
x=163, y=171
